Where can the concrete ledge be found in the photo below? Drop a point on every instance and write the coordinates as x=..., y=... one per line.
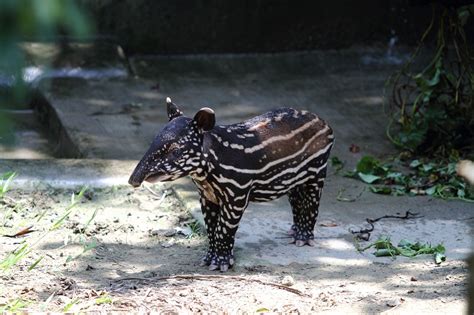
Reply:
x=68, y=173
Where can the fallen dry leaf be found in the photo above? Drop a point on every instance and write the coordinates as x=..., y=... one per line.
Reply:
x=22, y=232
x=328, y=224
x=354, y=148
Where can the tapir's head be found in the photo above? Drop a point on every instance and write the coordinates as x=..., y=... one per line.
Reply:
x=176, y=150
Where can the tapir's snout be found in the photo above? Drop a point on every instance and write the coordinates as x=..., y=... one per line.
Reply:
x=135, y=183
x=138, y=176
x=142, y=174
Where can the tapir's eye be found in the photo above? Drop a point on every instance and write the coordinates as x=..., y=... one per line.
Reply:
x=172, y=146
x=174, y=149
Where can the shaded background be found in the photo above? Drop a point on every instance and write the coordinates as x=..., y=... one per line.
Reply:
x=181, y=26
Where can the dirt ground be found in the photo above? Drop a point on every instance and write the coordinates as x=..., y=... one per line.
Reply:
x=141, y=252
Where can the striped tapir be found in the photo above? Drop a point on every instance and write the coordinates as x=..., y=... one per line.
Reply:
x=282, y=152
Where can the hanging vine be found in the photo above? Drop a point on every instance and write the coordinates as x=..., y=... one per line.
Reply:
x=432, y=110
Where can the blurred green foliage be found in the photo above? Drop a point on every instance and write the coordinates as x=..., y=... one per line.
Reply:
x=31, y=20
x=433, y=110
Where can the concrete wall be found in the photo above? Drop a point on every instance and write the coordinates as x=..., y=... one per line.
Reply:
x=214, y=26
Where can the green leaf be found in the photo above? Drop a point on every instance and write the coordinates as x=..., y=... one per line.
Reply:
x=383, y=242
x=60, y=221
x=397, y=178
x=15, y=305
x=69, y=305
x=262, y=310
x=383, y=190
x=90, y=219
x=89, y=246
x=407, y=252
x=427, y=167
x=405, y=243
x=337, y=163
x=394, y=175
x=69, y=258
x=435, y=79
x=33, y=266
x=367, y=165
x=74, y=201
x=368, y=178
x=451, y=169
x=436, y=178
x=5, y=186
x=415, y=163
x=384, y=248
x=439, y=258
x=431, y=191
x=440, y=249
x=384, y=252
x=104, y=299
x=463, y=14
x=14, y=257
x=398, y=190
x=351, y=174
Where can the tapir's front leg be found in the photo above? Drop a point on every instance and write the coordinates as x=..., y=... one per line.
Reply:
x=210, y=211
x=225, y=237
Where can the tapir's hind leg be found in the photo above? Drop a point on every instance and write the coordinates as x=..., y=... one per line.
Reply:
x=304, y=200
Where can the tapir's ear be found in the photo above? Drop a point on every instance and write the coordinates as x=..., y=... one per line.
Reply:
x=173, y=110
x=205, y=119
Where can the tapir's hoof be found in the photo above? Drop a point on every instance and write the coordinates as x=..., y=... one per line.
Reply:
x=213, y=267
x=222, y=267
x=215, y=262
x=207, y=259
x=300, y=243
x=301, y=237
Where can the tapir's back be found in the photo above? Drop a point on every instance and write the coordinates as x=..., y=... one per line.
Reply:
x=271, y=141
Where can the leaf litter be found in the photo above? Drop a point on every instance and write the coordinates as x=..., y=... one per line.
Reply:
x=385, y=248
x=435, y=178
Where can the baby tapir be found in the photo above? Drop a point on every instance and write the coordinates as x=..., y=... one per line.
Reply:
x=282, y=152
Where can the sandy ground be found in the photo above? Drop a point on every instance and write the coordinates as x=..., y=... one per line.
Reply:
x=137, y=253
x=142, y=255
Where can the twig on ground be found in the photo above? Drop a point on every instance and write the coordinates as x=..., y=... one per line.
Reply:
x=147, y=292
x=345, y=199
x=154, y=193
x=11, y=201
x=211, y=277
x=364, y=234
